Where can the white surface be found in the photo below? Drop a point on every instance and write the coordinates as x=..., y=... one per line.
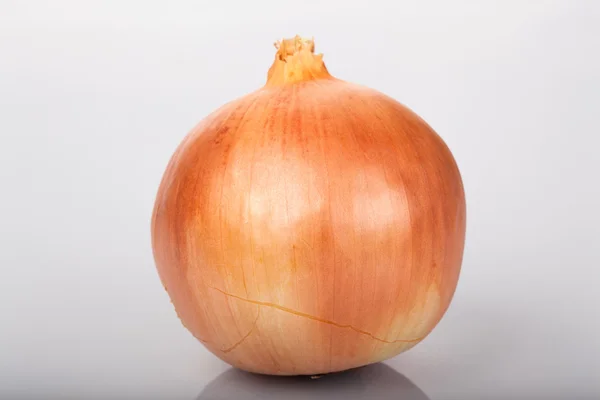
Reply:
x=95, y=96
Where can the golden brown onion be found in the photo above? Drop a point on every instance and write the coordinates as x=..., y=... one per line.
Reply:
x=311, y=226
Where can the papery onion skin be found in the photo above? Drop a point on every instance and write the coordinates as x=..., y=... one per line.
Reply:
x=312, y=226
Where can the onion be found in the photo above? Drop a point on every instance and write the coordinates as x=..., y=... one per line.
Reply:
x=311, y=226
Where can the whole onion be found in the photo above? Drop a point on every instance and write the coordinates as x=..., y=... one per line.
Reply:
x=311, y=226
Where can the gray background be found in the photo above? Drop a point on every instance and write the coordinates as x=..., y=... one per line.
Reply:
x=96, y=95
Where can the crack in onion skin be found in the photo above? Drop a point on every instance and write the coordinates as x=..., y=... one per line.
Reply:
x=314, y=196
x=303, y=315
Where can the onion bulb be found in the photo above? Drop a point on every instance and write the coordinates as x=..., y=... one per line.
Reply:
x=311, y=226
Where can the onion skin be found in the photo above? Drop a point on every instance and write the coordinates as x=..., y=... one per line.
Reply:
x=312, y=226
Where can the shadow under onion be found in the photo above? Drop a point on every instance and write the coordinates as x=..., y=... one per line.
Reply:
x=376, y=381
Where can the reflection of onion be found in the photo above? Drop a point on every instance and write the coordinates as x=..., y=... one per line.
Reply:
x=310, y=227
x=377, y=381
